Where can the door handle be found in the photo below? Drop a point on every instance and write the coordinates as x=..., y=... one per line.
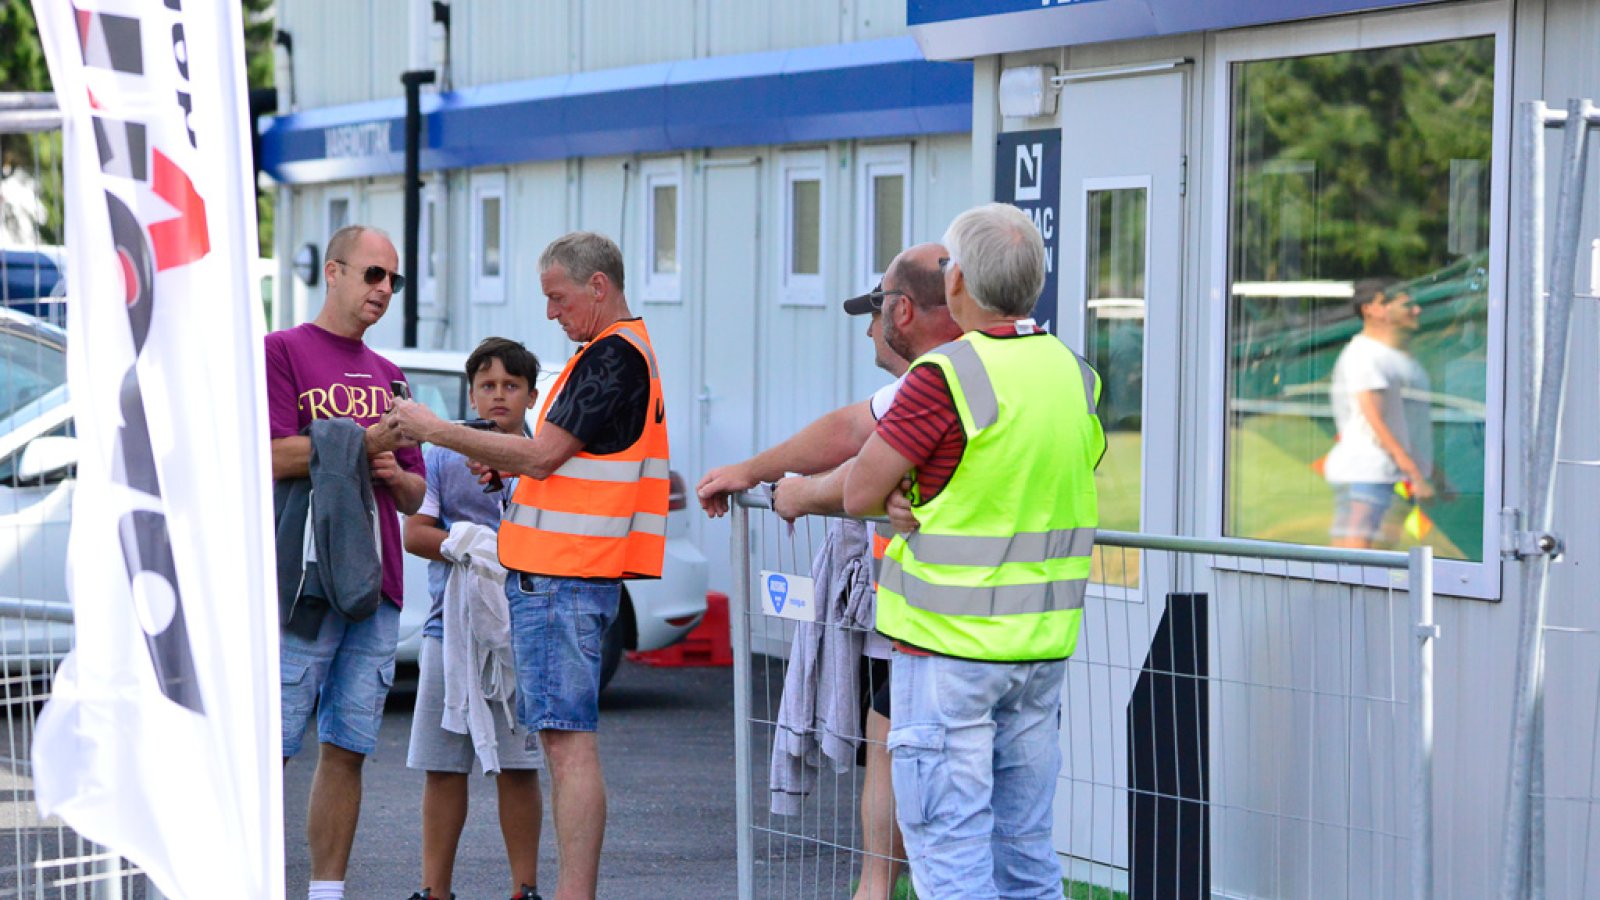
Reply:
x=705, y=404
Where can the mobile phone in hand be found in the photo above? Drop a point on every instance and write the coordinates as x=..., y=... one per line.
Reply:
x=494, y=483
x=400, y=390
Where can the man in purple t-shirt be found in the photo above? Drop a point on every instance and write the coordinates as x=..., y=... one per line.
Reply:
x=322, y=370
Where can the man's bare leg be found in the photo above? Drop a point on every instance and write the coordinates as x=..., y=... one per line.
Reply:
x=881, y=842
x=521, y=808
x=444, y=814
x=334, y=808
x=578, y=793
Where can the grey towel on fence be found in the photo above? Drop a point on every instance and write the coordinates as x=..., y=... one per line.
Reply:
x=819, y=717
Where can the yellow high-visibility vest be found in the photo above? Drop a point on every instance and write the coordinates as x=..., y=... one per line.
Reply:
x=998, y=567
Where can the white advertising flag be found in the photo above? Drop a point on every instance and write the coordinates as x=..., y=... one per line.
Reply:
x=162, y=739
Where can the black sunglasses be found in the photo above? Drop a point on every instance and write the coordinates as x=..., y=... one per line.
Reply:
x=375, y=274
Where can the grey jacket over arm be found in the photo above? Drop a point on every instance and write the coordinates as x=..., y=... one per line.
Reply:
x=326, y=528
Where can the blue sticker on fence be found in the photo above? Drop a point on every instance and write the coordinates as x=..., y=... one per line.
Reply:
x=777, y=591
x=788, y=596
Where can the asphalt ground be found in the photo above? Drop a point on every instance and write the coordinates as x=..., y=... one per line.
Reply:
x=666, y=744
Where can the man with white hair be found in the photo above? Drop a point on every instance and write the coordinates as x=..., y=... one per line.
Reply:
x=985, y=597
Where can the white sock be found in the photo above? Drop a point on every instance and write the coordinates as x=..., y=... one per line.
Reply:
x=326, y=890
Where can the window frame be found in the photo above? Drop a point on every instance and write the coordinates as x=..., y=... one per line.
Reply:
x=658, y=287
x=871, y=162
x=1091, y=186
x=1480, y=580
x=799, y=289
x=432, y=207
x=487, y=290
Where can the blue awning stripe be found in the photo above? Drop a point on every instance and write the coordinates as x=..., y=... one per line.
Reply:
x=869, y=89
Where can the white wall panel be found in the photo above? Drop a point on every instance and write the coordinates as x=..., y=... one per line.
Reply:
x=634, y=32
x=536, y=214
x=878, y=19
x=332, y=50
x=509, y=40
x=388, y=27
x=740, y=26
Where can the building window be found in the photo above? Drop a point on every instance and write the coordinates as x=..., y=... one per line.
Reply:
x=804, y=211
x=488, y=238
x=336, y=213
x=883, y=225
x=663, y=225
x=1364, y=175
x=1116, y=234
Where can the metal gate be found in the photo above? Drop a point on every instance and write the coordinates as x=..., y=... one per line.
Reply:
x=1261, y=727
x=38, y=858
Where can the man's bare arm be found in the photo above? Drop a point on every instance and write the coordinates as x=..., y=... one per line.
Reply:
x=822, y=445
x=876, y=474
x=534, y=457
x=291, y=456
x=1368, y=403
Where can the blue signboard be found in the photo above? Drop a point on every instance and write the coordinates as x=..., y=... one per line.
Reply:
x=1027, y=175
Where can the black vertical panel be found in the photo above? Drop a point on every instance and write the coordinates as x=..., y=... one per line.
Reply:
x=1169, y=820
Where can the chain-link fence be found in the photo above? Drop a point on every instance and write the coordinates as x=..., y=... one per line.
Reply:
x=1240, y=719
x=39, y=858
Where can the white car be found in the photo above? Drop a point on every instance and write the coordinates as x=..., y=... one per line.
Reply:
x=38, y=461
x=655, y=613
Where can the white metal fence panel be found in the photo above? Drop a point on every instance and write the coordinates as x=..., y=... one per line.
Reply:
x=1240, y=719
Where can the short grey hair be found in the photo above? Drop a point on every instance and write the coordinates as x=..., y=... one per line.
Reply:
x=1001, y=256
x=583, y=253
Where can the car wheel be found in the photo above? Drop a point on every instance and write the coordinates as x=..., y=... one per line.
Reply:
x=616, y=640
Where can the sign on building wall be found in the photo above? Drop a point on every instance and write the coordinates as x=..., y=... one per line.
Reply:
x=1027, y=174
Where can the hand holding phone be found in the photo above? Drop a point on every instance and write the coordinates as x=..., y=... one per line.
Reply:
x=494, y=483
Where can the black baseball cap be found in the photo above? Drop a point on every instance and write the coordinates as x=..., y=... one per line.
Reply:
x=870, y=302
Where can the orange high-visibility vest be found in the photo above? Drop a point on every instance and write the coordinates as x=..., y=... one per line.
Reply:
x=598, y=516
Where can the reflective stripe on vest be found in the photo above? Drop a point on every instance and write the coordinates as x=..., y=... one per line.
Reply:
x=882, y=534
x=999, y=568
x=584, y=524
x=1002, y=600
x=596, y=516
x=993, y=552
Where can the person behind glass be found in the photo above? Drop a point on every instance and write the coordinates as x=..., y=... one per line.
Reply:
x=319, y=370
x=589, y=509
x=1380, y=408
x=984, y=599
x=501, y=374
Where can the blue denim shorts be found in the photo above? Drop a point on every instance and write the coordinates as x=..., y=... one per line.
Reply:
x=1359, y=508
x=344, y=675
x=556, y=628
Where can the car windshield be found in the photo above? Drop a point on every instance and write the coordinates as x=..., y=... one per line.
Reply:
x=30, y=368
x=443, y=392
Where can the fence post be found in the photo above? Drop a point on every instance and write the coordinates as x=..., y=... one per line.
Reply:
x=739, y=622
x=1424, y=634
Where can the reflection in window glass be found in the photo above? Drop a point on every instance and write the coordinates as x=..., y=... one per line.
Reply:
x=490, y=211
x=1114, y=296
x=664, y=257
x=805, y=217
x=1357, y=315
x=888, y=219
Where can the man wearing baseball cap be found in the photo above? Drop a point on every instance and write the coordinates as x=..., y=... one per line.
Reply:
x=908, y=318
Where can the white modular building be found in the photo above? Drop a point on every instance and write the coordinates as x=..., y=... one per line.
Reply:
x=758, y=162
x=1223, y=177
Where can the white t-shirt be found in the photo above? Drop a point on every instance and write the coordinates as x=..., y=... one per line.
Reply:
x=1402, y=384
x=883, y=397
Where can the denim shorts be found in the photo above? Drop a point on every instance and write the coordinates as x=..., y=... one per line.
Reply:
x=433, y=749
x=975, y=750
x=1359, y=508
x=343, y=674
x=556, y=628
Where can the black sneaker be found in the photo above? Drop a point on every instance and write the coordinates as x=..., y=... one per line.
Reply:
x=527, y=893
x=427, y=894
